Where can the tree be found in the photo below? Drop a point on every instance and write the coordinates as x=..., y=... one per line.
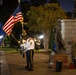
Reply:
x=44, y=18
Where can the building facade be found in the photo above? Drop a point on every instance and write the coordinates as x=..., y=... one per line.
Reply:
x=68, y=30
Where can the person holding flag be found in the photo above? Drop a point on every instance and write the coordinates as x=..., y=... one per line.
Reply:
x=29, y=47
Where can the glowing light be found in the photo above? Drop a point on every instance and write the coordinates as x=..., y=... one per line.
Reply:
x=41, y=36
x=1, y=36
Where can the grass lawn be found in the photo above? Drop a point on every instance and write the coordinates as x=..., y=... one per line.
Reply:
x=14, y=50
x=8, y=49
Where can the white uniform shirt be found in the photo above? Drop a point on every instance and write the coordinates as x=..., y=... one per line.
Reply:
x=30, y=44
x=23, y=46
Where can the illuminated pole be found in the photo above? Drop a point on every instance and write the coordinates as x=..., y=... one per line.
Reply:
x=23, y=31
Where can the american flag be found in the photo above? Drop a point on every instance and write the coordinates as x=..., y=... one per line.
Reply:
x=14, y=18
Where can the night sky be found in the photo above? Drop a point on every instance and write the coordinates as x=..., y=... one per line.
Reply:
x=67, y=5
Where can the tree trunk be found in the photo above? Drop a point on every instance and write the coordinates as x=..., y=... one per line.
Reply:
x=46, y=40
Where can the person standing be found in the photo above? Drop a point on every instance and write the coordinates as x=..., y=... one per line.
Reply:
x=30, y=45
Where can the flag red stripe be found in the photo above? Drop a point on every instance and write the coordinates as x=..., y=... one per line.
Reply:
x=8, y=27
x=10, y=23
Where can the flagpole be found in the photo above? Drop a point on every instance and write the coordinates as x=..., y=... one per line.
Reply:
x=22, y=26
x=14, y=38
x=3, y=39
x=23, y=31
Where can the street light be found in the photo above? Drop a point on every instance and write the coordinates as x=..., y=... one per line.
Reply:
x=41, y=37
x=0, y=2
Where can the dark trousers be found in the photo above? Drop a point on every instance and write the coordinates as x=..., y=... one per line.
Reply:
x=29, y=59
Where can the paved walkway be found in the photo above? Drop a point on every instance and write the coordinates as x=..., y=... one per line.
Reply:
x=3, y=64
x=13, y=64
